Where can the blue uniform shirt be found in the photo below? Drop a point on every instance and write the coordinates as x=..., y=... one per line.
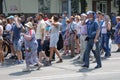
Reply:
x=92, y=27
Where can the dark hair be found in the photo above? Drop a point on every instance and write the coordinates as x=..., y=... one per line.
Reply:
x=55, y=18
x=2, y=15
x=65, y=12
x=72, y=17
x=102, y=14
x=8, y=20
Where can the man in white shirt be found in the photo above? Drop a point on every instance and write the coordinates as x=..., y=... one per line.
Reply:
x=40, y=35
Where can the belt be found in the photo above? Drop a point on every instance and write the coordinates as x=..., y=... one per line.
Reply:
x=84, y=34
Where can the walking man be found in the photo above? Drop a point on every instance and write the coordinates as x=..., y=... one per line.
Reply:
x=92, y=38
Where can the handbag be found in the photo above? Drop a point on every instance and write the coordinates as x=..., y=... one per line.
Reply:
x=109, y=32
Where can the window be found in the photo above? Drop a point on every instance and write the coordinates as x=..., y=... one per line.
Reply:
x=116, y=3
x=102, y=6
x=64, y=5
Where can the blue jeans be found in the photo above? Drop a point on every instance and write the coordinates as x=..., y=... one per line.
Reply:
x=96, y=52
x=105, y=44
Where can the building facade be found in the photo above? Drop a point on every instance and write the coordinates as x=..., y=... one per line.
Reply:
x=57, y=6
x=106, y=6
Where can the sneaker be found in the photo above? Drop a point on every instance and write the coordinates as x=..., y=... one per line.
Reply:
x=20, y=62
x=16, y=62
x=98, y=66
x=85, y=66
x=13, y=57
x=47, y=63
x=59, y=61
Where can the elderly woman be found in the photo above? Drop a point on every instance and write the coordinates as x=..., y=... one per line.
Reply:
x=117, y=33
x=30, y=47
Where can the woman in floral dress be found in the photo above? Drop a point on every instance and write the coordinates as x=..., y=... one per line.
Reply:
x=30, y=47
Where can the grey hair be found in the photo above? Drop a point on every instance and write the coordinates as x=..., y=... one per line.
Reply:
x=107, y=18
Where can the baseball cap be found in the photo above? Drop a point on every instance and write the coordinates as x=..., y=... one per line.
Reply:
x=10, y=17
x=89, y=12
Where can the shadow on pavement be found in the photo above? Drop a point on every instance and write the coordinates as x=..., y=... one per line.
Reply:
x=66, y=57
x=9, y=62
x=114, y=52
x=77, y=63
x=20, y=73
x=85, y=70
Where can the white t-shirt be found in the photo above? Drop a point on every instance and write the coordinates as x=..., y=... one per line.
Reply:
x=8, y=27
x=104, y=28
x=41, y=25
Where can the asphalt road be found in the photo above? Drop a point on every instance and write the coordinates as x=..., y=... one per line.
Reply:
x=70, y=69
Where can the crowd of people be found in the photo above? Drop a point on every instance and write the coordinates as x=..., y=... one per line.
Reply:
x=81, y=34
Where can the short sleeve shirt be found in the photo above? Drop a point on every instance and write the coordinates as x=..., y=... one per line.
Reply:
x=41, y=25
x=92, y=27
x=8, y=27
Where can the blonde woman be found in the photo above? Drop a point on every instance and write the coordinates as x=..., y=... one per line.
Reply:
x=77, y=18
